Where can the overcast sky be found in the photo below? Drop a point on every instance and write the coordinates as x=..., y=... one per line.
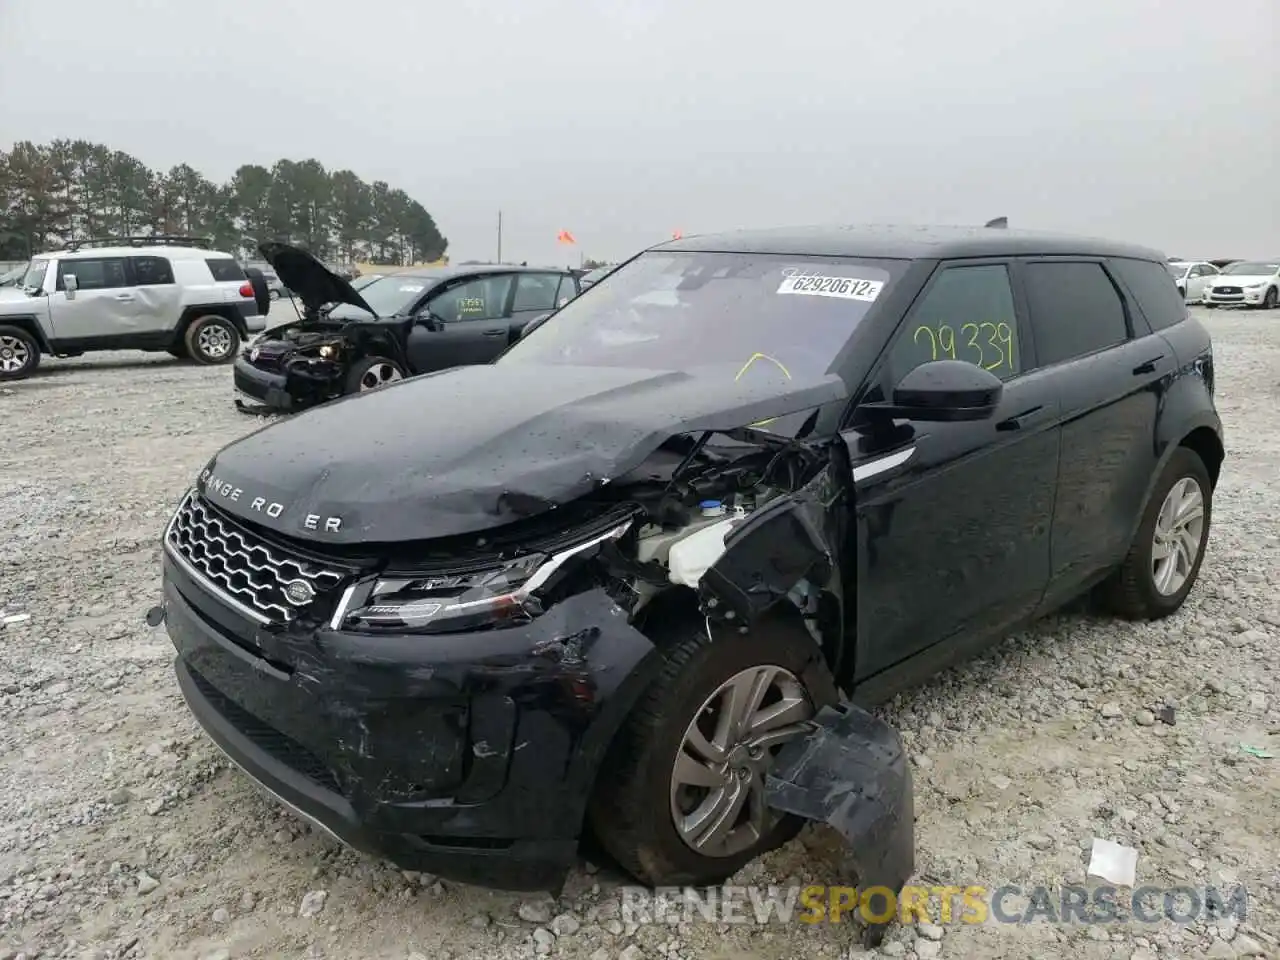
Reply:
x=1157, y=122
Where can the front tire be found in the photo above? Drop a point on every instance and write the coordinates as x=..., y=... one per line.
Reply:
x=680, y=798
x=212, y=340
x=370, y=373
x=19, y=354
x=1164, y=560
x=1269, y=299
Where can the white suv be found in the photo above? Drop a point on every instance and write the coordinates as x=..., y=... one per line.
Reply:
x=135, y=293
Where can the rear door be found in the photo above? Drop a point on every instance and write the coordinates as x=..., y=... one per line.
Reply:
x=106, y=304
x=159, y=298
x=1108, y=368
x=471, y=319
x=536, y=294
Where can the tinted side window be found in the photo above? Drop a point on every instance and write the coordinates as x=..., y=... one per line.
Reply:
x=536, y=291
x=484, y=298
x=1075, y=310
x=568, y=290
x=225, y=269
x=104, y=274
x=151, y=271
x=967, y=314
x=1153, y=288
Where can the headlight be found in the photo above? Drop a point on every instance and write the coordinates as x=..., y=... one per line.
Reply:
x=1255, y=286
x=328, y=351
x=504, y=596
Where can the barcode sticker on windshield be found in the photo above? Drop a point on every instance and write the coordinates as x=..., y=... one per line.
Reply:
x=411, y=288
x=846, y=288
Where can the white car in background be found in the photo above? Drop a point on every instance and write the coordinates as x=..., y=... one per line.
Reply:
x=1250, y=283
x=1192, y=277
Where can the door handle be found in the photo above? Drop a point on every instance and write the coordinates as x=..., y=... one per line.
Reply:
x=495, y=333
x=124, y=296
x=1147, y=366
x=1020, y=420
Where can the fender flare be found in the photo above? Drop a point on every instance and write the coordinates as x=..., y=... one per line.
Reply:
x=31, y=324
x=1201, y=421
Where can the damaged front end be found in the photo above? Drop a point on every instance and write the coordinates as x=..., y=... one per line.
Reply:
x=448, y=701
x=307, y=362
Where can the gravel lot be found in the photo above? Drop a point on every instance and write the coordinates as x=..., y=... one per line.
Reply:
x=124, y=834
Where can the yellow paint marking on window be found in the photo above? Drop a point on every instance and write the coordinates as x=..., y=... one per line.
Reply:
x=761, y=356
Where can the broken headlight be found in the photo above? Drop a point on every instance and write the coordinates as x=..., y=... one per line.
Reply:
x=327, y=351
x=493, y=597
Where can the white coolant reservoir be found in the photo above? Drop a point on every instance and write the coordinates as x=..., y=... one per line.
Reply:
x=691, y=557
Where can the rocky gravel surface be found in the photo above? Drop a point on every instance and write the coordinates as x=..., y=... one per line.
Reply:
x=123, y=833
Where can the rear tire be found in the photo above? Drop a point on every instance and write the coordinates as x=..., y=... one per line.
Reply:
x=1139, y=590
x=370, y=373
x=634, y=809
x=19, y=354
x=212, y=340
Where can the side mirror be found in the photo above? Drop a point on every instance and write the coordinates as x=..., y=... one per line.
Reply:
x=943, y=391
x=425, y=318
x=533, y=324
x=69, y=284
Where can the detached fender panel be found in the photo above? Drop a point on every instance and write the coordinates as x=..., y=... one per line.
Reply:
x=851, y=773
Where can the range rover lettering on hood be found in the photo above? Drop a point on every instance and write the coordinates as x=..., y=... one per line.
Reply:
x=362, y=469
x=217, y=490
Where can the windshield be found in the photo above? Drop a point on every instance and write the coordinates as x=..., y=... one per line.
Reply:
x=674, y=311
x=33, y=279
x=1247, y=268
x=388, y=296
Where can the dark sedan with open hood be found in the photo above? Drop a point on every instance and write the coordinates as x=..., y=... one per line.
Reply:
x=397, y=325
x=617, y=579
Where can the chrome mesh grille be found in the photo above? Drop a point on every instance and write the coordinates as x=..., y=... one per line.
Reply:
x=238, y=565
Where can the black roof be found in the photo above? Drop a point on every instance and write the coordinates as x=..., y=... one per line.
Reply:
x=898, y=242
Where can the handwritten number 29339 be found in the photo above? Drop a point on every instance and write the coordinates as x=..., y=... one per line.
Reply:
x=988, y=345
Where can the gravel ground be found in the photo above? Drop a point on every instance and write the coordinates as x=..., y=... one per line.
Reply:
x=124, y=834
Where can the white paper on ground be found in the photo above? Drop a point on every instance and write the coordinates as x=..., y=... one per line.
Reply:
x=1113, y=862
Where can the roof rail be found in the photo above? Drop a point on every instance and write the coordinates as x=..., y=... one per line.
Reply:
x=151, y=240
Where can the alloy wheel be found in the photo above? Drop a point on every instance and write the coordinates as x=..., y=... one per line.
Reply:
x=378, y=375
x=718, y=779
x=1176, y=541
x=14, y=355
x=214, y=342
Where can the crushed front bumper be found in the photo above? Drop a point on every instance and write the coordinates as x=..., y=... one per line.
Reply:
x=470, y=756
x=259, y=390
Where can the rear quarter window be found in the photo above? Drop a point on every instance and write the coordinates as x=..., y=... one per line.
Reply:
x=1153, y=288
x=224, y=269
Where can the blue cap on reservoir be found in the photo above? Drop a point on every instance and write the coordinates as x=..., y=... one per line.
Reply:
x=711, y=508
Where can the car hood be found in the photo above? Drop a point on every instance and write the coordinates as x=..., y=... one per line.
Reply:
x=1241, y=280
x=477, y=447
x=308, y=279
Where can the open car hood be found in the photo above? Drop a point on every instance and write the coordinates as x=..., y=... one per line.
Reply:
x=313, y=283
x=478, y=447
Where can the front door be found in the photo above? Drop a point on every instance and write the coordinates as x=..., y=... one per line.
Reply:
x=952, y=521
x=470, y=324
x=106, y=304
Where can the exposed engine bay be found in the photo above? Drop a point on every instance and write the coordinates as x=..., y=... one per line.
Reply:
x=675, y=522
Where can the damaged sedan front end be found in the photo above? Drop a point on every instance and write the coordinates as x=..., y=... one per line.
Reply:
x=597, y=586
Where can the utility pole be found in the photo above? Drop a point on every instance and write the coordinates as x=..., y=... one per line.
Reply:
x=499, y=236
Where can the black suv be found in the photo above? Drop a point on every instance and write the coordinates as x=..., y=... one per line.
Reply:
x=599, y=583
x=397, y=326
